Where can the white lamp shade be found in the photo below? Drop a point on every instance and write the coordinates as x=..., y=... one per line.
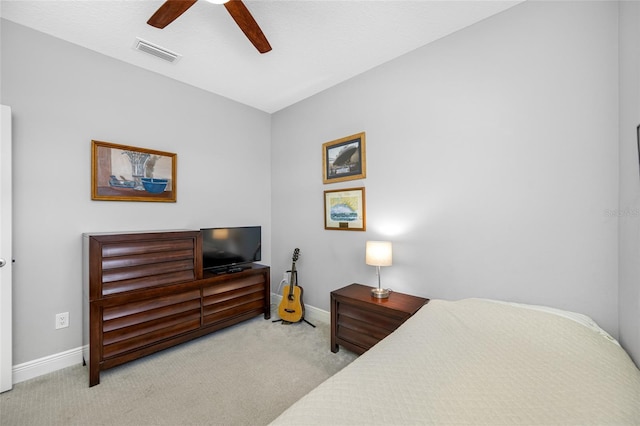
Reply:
x=379, y=253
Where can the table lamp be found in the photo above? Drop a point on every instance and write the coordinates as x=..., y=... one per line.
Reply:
x=379, y=253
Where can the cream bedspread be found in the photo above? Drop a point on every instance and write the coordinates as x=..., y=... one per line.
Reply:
x=475, y=362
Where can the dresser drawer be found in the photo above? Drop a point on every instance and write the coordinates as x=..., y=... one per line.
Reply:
x=140, y=261
x=227, y=300
x=137, y=324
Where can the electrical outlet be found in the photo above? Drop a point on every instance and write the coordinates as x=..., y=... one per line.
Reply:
x=62, y=320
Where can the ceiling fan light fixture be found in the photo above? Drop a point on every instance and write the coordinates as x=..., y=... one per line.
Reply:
x=217, y=1
x=172, y=9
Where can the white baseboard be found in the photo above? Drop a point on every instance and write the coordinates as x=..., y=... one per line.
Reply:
x=311, y=313
x=51, y=363
x=47, y=364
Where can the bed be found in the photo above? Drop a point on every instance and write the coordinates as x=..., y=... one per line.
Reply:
x=481, y=362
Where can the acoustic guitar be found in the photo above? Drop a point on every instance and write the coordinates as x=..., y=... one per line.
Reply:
x=291, y=308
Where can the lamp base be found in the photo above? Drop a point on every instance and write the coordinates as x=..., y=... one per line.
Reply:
x=380, y=293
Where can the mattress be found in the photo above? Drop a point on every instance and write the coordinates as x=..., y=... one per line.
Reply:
x=476, y=362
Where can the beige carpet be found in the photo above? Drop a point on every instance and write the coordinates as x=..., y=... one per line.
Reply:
x=244, y=375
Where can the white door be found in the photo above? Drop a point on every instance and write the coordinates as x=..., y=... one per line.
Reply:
x=6, y=360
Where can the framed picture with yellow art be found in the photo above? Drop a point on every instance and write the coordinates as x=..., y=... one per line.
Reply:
x=344, y=210
x=128, y=173
x=344, y=159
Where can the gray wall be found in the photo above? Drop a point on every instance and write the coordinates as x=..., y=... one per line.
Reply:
x=493, y=166
x=63, y=96
x=629, y=210
x=492, y=161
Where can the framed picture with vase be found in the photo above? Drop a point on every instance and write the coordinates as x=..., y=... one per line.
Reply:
x=128, y=173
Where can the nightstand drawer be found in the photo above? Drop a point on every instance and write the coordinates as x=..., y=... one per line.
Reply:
x=363, y=327
x=387, y=320
x=363, y=341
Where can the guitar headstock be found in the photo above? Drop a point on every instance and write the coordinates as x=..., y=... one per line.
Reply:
x=296, y=254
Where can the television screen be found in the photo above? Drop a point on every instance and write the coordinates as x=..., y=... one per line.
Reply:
x=223, y=248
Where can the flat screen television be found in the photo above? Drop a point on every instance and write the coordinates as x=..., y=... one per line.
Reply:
x=228, y=249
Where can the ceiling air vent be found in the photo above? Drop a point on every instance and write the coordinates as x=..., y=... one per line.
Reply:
x=157, y=51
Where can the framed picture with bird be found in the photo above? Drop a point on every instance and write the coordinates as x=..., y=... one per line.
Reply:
x=344, y=159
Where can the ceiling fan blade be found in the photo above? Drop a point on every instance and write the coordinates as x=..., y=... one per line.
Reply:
x=168, y=12
x=248, y=25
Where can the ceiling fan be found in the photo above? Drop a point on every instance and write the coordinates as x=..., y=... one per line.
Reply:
x=172, y=9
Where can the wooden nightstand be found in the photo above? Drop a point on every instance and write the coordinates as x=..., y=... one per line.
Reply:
x=359, y=321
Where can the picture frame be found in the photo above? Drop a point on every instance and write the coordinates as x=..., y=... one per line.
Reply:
x=128, y=173
x=344, y=159
x=345, y=209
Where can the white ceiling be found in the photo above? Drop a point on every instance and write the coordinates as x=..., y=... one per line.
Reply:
x=316, y=44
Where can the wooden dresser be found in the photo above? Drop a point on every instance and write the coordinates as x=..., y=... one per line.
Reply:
x=359, y=321
x=144, y=292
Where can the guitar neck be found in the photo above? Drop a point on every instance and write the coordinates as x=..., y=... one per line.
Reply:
x=293, y=279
